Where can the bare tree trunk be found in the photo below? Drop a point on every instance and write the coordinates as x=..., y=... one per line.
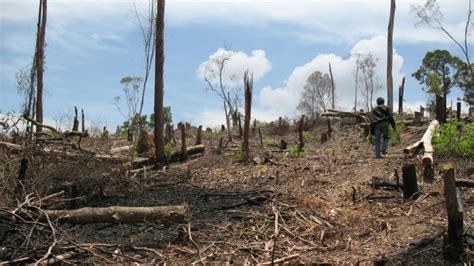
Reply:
x=159, y=73
x=182, y=127
x=40, y=65
x=260, y=136
x=83, y=121
x=75, y=123
x=333, y=88
x=401, y=91
x=240, y=125
x=227, y=121
x=390, y=55
x=248, y=83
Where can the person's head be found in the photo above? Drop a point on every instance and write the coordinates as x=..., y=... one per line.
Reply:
x=380, y=101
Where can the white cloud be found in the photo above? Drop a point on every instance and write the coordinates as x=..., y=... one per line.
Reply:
x=238, y=63
x=285, y=99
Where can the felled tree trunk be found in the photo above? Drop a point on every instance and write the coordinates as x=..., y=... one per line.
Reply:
x=425, y=143
x=118, y=214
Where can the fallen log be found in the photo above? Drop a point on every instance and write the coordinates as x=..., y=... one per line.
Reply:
x=425, y=143
x=120, y=149
x=118, y=214
x=337, y=113
x=12, y=146
x=464, y=183
x=195, y=149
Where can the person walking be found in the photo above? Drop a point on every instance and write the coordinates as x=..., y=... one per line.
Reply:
x=381, y=118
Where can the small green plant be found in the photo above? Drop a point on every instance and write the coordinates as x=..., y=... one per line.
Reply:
x=173, y=153
x=239, y=153
x=395, y=134
x=454, y=139
x=307, y=136
x=268, y=141
x=294, y=150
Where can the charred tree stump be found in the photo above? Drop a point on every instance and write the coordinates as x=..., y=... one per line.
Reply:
x=428, y=173
x=75, y=125
x=248, y=83
x=183, y=138
x=329, y=129
x=21, y=176
x=83, y=121
x=199, y=135
x=453, y=243
x=254, y=128
x=324, y=137
x=401, y=90
x=458, y=111
x=410, y=186
x=300, y=134
x=283, y=144
x=222, y=128
x=418, y=117
x=260, y=136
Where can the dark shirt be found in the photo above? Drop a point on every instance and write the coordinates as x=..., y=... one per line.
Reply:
x=382, y=113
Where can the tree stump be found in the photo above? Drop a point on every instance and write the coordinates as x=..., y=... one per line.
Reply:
x=199, y=136
x=453, y=243
x=428, y=174
x=324, y=137
x=410, y=186
x=418, y=117
x=260, y=135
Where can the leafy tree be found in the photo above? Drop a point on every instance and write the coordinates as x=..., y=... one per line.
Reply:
x=316, y=94
x=439, y=73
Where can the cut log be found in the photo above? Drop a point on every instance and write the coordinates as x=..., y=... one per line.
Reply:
x=12, y=146
x=410, y=186
x=453, y=247
x=195, y=149
x=425, y=142
x=118, y=214
x=120, y=149
x=464, y=183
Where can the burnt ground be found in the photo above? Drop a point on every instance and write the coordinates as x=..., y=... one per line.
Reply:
x=327, y=210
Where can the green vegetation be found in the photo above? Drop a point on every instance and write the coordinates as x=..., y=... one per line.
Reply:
x=308, y=136
x=294, y=150
x=454, y=139
x=268, y=141
x=395, y=134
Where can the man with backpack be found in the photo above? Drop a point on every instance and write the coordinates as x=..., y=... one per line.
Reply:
x=381, y=118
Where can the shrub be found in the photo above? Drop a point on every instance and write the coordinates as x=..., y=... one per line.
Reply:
x=294, y=150
x=307, y=136
x=454, y=139
x=144, y=144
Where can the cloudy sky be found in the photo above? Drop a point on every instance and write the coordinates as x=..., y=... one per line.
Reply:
x=91, y=45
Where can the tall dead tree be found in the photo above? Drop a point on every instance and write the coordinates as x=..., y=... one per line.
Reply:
x=159, y=65
x=248, y=84
x=390, y=55
x=83, y=121
x=40, y=62
x=401, y=91
x=333, y=92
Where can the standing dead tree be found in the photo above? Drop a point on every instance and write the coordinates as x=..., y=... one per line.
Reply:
x=401, y=91
x=248, y=84
x=333, y=87
x=390, y=55
x=369, y=84
x=159, y=64
x=40, y=41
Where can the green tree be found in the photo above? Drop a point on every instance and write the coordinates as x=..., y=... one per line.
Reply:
x=438, y=73
x=167, y=117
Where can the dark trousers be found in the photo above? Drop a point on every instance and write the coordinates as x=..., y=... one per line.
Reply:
x=381, y=130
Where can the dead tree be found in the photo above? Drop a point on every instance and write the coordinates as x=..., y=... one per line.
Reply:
x=300, y=134
x=453, y=244
x=260, y=136
x=40, y=41
x=159, y=64
x=240, y=125
x=199, y=135
x=401, y=91
x=248, y=83
x=458, y=111
x=390, y=55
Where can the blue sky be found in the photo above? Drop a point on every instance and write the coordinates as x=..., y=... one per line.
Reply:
x=91, y=45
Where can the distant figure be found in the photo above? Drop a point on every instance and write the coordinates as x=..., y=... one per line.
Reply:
x=381, y=117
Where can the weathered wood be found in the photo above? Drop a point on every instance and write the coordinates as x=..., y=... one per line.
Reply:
x=119, y=214
x=199, y=135
x=425, y=143
x=410, y=186
x=453, y=248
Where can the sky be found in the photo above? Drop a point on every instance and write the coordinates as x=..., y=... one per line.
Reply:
x=91, y=45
